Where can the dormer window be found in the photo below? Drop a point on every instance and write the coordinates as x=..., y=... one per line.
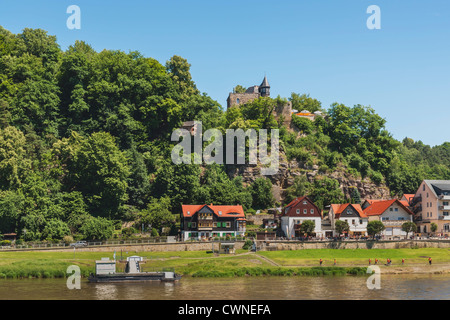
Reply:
x=220, y=213
x=188, y=213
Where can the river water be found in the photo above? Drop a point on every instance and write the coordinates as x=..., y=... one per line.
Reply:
x=393, y=287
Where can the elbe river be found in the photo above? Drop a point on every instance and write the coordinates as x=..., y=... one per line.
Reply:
x=392, y=287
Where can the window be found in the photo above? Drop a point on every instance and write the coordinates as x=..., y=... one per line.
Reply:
x=312, y=211
x=390, y=209
x=220, y=213
x=360, y=221
x=189, y=213
x=445, y=203
x=385, y=218
x=445, y=213
x=427, y=204
x=304, y=202
x=298, y=211
x=353, y=221
x=228, y=224
x=237, y=100
x=400, y=218
x=423, y=187
x=396, y=209
x=349, y=211
x=305, y=211
x=215, y=224
x=189, y=224
x=194, y=224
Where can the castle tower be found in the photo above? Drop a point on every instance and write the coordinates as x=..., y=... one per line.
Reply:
x=264, y=88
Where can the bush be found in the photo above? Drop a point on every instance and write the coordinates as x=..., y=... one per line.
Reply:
x=247, y=245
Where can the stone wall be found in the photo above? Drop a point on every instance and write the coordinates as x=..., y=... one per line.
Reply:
x=257, y=219
x=243, y=98
x=298, y=245
x=264, y=245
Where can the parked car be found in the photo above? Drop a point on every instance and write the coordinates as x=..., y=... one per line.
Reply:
x=79, y=244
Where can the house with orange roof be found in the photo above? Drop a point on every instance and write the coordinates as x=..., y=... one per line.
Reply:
x=368, y=202
x=205, y=221
x=392, y=213
x=353, y=214
x=407, y=198
x=298, y=211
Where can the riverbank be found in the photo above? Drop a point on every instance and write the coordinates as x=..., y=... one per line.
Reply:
x=43, y=264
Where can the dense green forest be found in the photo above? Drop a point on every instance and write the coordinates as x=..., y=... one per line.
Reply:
x=85, y=142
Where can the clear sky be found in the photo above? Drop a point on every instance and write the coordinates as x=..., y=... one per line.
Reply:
x=319, y=47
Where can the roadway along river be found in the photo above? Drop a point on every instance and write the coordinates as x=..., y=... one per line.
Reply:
x=402, y=287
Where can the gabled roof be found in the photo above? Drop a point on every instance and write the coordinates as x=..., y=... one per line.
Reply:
x=438, y=187
x=294, y=202
x=379, y=207
x=235, y=211
x=339, y=208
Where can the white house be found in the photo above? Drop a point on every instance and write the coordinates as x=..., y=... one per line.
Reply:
x=296, y=212
x=352, y=214
x=393, y=213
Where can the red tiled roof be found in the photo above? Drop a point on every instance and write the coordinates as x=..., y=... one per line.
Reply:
x=377, y=208
x=339, y=208
x=295, y=201
x=227, y=211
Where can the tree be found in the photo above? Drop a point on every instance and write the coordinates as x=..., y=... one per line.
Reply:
x=98, y=169
x=261, y=191
x=158, y=214
x=408, y=227
x=55, y=229
x=97, y=228
x=341, y=226
x=305, y=102
x=433, y=227
x=307, y=227
x=355, y=195
x=375, y=227
x=239, y=89
x=299, y=188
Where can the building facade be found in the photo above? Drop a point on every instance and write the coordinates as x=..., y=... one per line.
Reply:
x=207, y=221
x=353, y=215
x=295, y=213
x=431, y=204
x=392, y=213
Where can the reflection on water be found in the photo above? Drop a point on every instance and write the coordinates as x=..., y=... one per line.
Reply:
x=403, y=287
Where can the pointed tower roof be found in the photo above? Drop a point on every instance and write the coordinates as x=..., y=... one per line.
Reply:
x=265, y=83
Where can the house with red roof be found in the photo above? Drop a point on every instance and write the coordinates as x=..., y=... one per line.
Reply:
x=205, y=221
x=393, y=213
x=353, y=214
x=298, y=211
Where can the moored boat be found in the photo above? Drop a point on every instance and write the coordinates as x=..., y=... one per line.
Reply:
x=105, y=271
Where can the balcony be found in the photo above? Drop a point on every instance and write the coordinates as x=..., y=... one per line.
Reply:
x=445, y=218
x=416, y=200
x=444, y=197
x=417, y=209
x=445, y=208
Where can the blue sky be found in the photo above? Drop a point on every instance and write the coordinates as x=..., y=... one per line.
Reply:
x=321, y=47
